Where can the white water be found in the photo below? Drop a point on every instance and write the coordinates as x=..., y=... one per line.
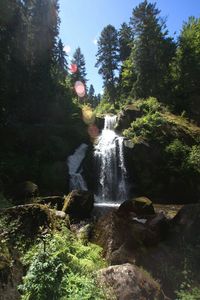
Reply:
x=75, y=171
x=109, y=157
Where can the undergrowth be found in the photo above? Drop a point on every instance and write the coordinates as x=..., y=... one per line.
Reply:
x=61, y=267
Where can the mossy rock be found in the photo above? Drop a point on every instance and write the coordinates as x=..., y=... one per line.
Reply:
x=27, y=220
x=141, y=206
x=79, y=204
x=54, y=202
x=24, y=192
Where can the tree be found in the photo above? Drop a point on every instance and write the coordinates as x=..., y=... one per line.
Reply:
x=108, y=59
x=79, y=60
x=152, y=52
x=186, y=68
x=61, y=61
x=125, y=41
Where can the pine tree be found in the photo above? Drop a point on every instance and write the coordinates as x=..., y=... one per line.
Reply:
x=152, y=52
x=91, y=95
x=125, y=41
x=79, y=60
x=108, y=59
x=61, y=61
x=186, y=69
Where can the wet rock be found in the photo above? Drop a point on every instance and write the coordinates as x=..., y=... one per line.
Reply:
x=79, y=204
x=128, y=282
x=141, y=206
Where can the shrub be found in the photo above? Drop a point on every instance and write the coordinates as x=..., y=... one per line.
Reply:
x=193, y=159
x=150, y=105
x=61, y=267
x=146, y=127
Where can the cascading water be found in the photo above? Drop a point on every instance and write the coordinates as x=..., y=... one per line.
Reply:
x=109, y=156
x=74, y=165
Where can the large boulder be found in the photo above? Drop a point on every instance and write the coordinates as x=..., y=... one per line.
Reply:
x=28, y=219
x=128, y=282
x=123, y=237
x=185, y=225
x=141, y=206
x=79, y=204
x=24, y=192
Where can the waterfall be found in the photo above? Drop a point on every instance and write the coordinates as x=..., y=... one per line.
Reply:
x=109, y=156
x=74, y=165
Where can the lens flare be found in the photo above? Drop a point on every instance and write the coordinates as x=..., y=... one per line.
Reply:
x=88, y=115
x=73, y=68
x=79, y=88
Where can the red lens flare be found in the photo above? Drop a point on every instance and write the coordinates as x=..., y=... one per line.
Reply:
x=73, y=68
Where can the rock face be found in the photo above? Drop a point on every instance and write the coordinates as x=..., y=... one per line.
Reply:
x=123, y=233
x=79, y=204
x=128, y=282
x=127, y=116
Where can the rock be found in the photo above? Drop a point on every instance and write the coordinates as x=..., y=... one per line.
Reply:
x=52, y=201
x=123, y=238
x=127, y=116
x=141, y=206
x=25, y=192
x=29, y=218
x=128, y=282
x=185, y=225
x=79, y=204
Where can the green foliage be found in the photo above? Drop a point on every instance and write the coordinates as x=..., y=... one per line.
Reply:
x=182, y=157
x=177, y=154
x=188, y=294
x=185, y=68
x=104, y=107
x=108, y=59
x=149, y=105
x=146, y=127
x=152, y=52
x=194, y=158
x=79, y=60
x=61, y=267
x=125, y=41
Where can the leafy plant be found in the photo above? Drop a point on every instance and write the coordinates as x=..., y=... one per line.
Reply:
x=61, y=267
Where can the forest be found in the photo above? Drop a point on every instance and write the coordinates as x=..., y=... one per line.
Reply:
x=135, y=149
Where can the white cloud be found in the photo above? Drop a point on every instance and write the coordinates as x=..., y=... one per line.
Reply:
x=67, y=49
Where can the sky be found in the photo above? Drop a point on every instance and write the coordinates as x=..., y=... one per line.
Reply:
x=83, y=20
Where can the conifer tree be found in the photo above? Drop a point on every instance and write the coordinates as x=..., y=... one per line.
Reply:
x=108, y=59
x=152, y=52
x=79, y=60
x=125, y=41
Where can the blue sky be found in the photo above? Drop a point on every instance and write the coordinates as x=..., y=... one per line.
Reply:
x=83, y=20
